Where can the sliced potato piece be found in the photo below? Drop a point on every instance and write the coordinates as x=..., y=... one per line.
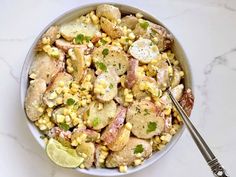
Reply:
x=65, y=45
x=34, y=105
x=71, y=29
x=144, y=50
x=177, y=93
x=110, y=28
x=89, y=150
x=108, y=11
x=77, y=63
x=110, y=133
x=52, y=94
x=163, y=79
x=176, y=77
x=99, y=118
x=131, y=73
x=45, y=67
x=51, y=35
x=116, y=58
x=121, y=139
x=107, y=84
x=127, y=155
x=144, y=119
x=130, y=21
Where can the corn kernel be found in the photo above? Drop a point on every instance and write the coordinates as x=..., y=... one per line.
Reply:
x=155, y=40
x=46, y=40
x=167, y=111
x=60, y=118
x=101, y=160
x=123, y=168
x=137, y=162
x=100, y=106
x=131, y=36
x=181, y=73
x=82, y=166
x=40, y=109
x=42, y=127
x=69, y=69
x=139, y=15
x=32, y=76
x=104, y=148
x=138, y=155
x=95, y=19
x=59, y=100
x=128, y=126
x=157, y=139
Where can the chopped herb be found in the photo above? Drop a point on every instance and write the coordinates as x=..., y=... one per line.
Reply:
x=127, y=40
x=105, y=52
x=70, y=101
x=119, y=66
x=96, y=121
x=146, y=112
x=103, y=41
x=87, y=38
x=138, y=149
x=83, y=89
x=101, y=66
x=152, y=126
x=144, y=25
x=64, y=126
x=88, y=113
x=111, y=86
x=79, y=39
x=43, y=136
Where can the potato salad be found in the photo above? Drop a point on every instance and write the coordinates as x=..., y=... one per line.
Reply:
x=97, y=90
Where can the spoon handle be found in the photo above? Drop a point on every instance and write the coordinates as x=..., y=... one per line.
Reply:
x=210, y=158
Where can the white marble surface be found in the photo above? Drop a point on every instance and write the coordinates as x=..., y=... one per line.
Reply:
x=206, y=29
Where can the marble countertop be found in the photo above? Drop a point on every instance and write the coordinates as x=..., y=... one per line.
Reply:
x=205, y=28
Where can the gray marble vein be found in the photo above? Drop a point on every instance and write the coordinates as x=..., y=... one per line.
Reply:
x=16, y=78
x=17, y=141
x=222, y=60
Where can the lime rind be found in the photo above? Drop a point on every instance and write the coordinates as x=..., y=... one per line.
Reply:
x=63, y=156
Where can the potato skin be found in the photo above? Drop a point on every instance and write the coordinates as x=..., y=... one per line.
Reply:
x=108, y=11
x=65, y=45
x=34, y=99
x=45, y=67
x=121, y=140
x=110, y=134
x=110, y=28
x=130, y=21
x=140, y=114
x=126, y=156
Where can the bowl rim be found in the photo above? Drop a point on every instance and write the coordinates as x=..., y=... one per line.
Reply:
x=93, y=171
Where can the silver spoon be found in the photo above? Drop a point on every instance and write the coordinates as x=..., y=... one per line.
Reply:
x=210, y=158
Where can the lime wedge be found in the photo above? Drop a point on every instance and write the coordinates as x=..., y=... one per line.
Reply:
x=63, y=156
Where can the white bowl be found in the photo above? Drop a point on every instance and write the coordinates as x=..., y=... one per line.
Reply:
x=178, y=50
